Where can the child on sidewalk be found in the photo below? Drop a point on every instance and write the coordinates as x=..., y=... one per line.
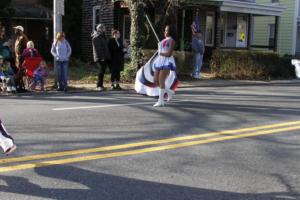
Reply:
x=7, y=76
x=39, y=75
x=6, y=141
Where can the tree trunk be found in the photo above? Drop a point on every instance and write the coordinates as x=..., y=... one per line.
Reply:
x=136, y=35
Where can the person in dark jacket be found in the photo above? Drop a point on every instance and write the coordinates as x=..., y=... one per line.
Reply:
x=117, y=51
x=101, y=53
x=20, y=44
x=198, y=50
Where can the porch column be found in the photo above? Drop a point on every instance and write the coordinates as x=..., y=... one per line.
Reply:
x=217, y=37
x=182, y=31
x=249, y=40
x=276, y=33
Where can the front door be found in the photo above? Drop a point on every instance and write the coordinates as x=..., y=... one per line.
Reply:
x=241, y=36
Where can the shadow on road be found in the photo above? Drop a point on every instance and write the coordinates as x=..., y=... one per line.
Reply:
x=108, y=187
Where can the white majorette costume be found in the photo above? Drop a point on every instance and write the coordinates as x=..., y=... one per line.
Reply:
x=163, y=62
x=6, y=141
x=144, y=83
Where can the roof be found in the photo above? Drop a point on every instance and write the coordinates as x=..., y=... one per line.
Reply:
x=37, y=12
x=251, y=8
x=201, y=2
x=204, y=2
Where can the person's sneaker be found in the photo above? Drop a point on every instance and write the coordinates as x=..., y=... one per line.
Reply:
x=11, y=150
x=99, y=89
x=8, y=89
x=195, y=76
x=113, y=87
x=159, y=104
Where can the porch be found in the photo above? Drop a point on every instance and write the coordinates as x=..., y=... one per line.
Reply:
x=225, y=23
x=36, y=20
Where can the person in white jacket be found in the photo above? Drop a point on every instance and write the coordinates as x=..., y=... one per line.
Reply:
x=6, y=141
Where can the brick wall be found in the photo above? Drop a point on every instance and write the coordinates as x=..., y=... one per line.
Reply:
x=106, y=17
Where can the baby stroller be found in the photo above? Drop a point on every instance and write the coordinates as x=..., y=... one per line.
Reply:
x=29, y=66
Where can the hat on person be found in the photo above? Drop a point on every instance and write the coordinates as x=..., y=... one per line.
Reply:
x=100, y=27
x=19, y=28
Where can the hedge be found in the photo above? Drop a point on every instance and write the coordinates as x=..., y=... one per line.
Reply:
x=250, y=65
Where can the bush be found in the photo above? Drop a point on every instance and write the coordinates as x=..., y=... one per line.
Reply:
x=128, y=74
x=250, y=65
x=80, y=71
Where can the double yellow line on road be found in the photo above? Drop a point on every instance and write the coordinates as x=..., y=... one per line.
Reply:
x=148, y=146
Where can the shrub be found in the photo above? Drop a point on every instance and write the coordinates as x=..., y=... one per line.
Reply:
x=250, y=65
x=82, y=72
x=129, y=73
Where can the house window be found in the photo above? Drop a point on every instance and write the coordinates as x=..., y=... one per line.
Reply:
x=96, y=16
x=126, y=28
x=271, y=35
x=210, y=29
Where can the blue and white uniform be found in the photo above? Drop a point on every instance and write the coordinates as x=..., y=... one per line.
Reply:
x=163, y=62
x=144, y=83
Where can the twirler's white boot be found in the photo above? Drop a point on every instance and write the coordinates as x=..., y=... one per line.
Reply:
x=160, y=102
x=170, y=93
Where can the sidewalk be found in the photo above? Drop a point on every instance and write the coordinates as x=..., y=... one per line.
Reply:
x=228, y=83
x=78, y=87
x=201, y=83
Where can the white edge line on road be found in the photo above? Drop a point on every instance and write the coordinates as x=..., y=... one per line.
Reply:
x=108, y=106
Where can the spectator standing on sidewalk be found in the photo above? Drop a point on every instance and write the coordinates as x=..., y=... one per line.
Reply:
x=20, y=44
x=101, y=53
x=61, y=51
x=117, y=52
x=198, y=51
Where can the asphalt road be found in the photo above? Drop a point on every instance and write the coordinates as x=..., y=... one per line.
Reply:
x=226, y=143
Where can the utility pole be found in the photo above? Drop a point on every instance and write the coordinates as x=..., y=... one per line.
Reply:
x=58, y=11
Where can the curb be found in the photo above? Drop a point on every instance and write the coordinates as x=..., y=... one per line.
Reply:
x=184, y=84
